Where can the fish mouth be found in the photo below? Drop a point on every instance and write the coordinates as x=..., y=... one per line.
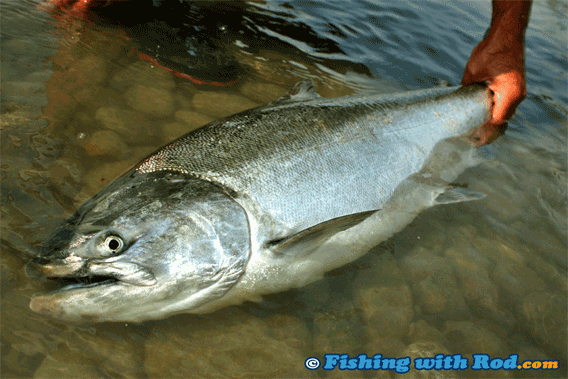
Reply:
x=79, y=273
x=69, y=283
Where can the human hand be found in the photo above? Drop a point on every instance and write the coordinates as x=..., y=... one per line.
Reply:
x=499, y=61
x=503, y=70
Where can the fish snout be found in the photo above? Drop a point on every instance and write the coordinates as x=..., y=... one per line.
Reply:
x=42, y=268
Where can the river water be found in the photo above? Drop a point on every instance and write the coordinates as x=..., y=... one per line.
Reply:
x=79, y=106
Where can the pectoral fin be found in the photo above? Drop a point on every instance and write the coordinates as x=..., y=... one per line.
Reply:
x=307, y=240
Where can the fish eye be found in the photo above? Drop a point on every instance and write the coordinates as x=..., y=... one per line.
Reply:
x=113, y=244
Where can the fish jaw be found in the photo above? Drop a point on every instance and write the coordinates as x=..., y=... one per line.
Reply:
x=97, y=302
x=69, y=304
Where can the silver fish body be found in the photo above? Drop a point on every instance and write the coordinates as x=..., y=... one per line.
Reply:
x=260, y=202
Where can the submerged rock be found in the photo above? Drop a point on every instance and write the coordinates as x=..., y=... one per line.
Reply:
x=144, y=73
x=428, y=350
x=220, y=104
x=132, y=126
x=467, y=337
x=384, y=299
x=51, y=368
x=106, y=143
x=262, y=92
x=193, y=120
x=544, y=316
x=157, y=102
x=232, y=344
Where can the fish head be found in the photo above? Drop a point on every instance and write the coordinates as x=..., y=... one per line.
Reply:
x=146, y=247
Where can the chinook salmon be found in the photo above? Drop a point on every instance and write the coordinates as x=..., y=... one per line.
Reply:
x=260, y=202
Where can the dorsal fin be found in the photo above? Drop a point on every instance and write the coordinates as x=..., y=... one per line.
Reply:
x=301, y=91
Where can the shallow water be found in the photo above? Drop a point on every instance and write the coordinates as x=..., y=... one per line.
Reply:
x=78, y=108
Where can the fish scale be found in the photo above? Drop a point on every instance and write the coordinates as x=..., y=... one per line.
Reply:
x=314, y=148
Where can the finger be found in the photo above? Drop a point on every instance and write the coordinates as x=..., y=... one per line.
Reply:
x=501, y=107
x=466, y=78
x=510, y=90
x=486, y=133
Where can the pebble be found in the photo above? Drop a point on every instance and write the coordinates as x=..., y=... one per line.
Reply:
x=421, y=331
x=427, y=350
x=104, y=42
x=383, y=298
x=60, y=104
x=516, y=281
x=464, y=235
x=468, y=337
x=421, y=263
x=104, y=173
x=434, y=284
x=193, y=119
x=66, y=171
x=65, y=56
x=83, y=123
x=387, y=310
x=262, y=93
x=290, y=330
x=502, y=195
x=549, y=273
x=543, y=315
x=220, y=104
x=16, y=364
x=157, y=102
x=173, y=130
x=60, y=369
x=138, y=153
x=183, y=99
x=11, y=265
x=431, y=295
x=106, y=143
x=340, y=330
x=226, y=344
x=497, y=250
x=95, y=97
x=133, y=127
x=27, y=330
x=144, y=73
x=388, y=347
x=115, y=351
x=88, y=71
x=471, y=272
x=320, y=297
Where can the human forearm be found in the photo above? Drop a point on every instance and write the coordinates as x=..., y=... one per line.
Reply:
x=510, y=16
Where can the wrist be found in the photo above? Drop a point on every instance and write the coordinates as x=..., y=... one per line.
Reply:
x=503, y=41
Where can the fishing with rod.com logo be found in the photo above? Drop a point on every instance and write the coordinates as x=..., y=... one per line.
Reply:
x=438, y=362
